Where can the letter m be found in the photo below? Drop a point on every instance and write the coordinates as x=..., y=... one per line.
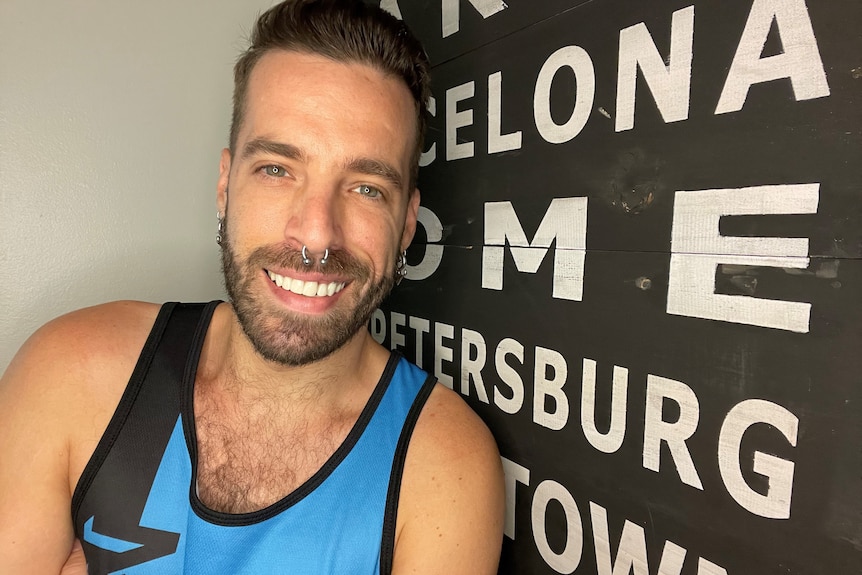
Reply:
x=565, y=221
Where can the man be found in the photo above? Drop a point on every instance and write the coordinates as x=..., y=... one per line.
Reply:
x=271, y=434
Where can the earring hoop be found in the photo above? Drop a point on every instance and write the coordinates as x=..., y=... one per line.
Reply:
x=220, y=228
x=400, y=267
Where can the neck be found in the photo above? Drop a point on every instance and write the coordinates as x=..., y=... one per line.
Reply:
x=231, y=364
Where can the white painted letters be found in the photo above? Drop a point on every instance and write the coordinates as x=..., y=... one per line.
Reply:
x=579, y=62
x=471, y=367
x=550, y=387
x=509, y=376
x=392, y=7
x=433, y=253
x=427, y=157
x=675, y=434
x=377, y=326
x=442, y=353
x=565, y=221
x=775, y=504
x=514, y=474
x=800, y=60
x=420, y=326
x=631, y=553
x=697, y=248
x=670, y=86
x=497, y=141
x=396, y=340
x=612, y=440
x=452, y=12
x=567, y=560
x=456, y=119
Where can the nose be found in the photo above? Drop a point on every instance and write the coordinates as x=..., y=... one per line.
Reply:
x=314, y=221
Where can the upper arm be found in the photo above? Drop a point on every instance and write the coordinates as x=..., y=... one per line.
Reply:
x=35, y=522
x=56, y=398
x=450, y=515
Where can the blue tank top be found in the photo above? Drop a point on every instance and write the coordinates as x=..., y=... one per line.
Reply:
x=136, y=511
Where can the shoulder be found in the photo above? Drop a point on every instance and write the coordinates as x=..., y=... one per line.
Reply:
x=451, y=510
x=56, y=398
x=83, y=342
x=68, y=376
x=448, y=428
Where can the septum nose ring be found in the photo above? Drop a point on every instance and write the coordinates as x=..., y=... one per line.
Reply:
x=307, y=260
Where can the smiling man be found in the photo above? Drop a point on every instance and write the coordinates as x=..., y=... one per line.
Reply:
x=270, y=434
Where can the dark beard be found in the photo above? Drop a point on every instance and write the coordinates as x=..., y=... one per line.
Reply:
x=289, y=338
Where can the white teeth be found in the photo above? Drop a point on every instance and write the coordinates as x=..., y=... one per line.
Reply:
x=308, y=289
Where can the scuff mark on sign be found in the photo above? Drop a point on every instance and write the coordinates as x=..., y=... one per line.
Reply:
x=643, y=283
x=635, y=183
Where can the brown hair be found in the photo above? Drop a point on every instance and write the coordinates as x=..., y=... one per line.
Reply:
x=345, y=31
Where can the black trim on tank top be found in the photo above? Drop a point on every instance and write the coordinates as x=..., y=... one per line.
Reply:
x=124, y=407
x=187, y=389
x=298, y=494
x=390, y=514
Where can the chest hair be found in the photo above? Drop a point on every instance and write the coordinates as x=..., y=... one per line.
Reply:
x=249, y=459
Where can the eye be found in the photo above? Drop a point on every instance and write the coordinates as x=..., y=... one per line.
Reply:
x=274, y=171
x=367, y=191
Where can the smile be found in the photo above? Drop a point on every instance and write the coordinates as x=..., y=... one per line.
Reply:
x=308, y=289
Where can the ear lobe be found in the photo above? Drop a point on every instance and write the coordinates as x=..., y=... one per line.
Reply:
x=411, y=219
x=223, y=180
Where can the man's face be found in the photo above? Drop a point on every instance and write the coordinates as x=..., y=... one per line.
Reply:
x=322, y=160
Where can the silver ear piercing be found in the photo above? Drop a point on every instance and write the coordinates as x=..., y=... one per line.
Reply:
x=307, y=260
x=400, y=267
x=220, y=228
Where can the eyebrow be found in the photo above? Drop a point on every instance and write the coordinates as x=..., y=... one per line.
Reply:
x=372, y=167
x=367, y=166
x=263, y=146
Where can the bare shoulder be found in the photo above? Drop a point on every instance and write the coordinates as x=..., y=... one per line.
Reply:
x=450, y=516
x=56, y=398
x=66, y=380
x=107, y=326
x=448, y=428
x=72, y=371
x=81, y=349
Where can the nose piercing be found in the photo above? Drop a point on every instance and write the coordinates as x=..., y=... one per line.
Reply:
x=307, y=260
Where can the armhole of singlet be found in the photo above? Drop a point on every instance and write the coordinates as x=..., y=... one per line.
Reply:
x=390, y=515
x=124, y=407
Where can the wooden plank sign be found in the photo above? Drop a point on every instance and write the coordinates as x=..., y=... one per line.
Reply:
x=639, y=262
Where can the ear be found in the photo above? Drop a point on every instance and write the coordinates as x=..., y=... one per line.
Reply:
x=223, y=181
x=410, y=221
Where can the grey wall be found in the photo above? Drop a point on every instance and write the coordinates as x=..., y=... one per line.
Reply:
x=112, y=116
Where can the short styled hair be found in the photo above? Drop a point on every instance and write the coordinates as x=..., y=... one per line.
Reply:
x=345, y=31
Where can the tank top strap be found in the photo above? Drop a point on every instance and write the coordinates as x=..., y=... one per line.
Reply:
x=146, y=415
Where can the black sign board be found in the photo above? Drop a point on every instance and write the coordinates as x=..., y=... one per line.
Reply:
x=639, y=262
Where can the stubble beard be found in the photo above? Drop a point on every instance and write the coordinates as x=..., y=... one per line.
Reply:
x=289, y=338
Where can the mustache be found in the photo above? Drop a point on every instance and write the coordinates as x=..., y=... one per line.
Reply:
x=339, y=262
